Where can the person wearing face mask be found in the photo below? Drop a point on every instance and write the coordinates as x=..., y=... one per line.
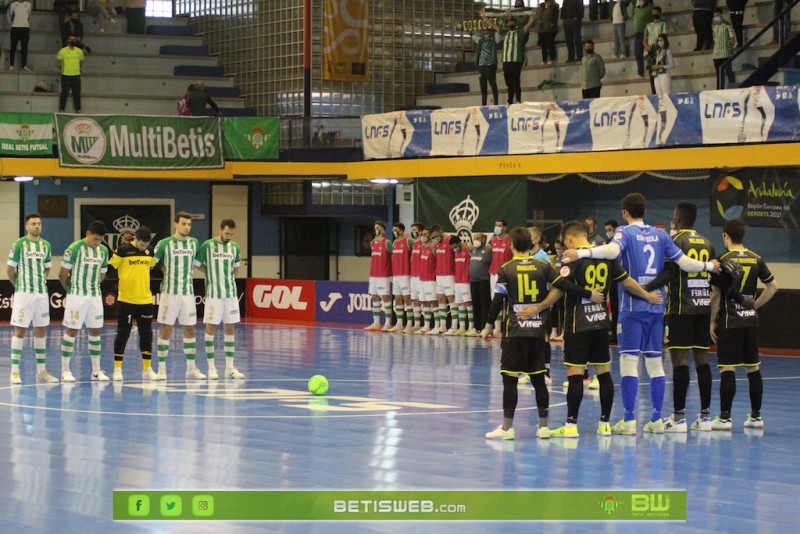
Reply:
x=463, y=296
x=514, y=40
x=68, y=61
x=701, y=20
x=414, y=282
x=445, y=282
x=662, y=64
x=427, y=277
x=501, y=253
x=401, y=277
x=593, y=69
x=652, y=31
x=594, y=237
x=486, y=60
x=734, y=325
x=724, y=40
x=479, y=261
x=642, y=15
x=688, y=319
x=380, y=277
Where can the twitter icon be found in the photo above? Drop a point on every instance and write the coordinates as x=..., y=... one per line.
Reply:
x=171, y=505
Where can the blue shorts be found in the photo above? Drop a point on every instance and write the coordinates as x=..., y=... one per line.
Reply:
x=641, y=332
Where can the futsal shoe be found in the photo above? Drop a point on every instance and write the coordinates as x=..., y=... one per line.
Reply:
x=410, y=329
x=149, y=375
x=594, y=383
x=100, y=376
x=702, y=424
x=654, y=427
x=548, y=381
x=117, y=374
x=603, y=428
x=213, y=374
x=15, y=378
x=566, y=431
x=47, y=378
x=543, y=433
x=67, y=376
x=625, y=428
x=195, y=374
x=162, y=372
x=524, y=380
x=424, y=330
x=471, y=333
x=672, y=426
x=721, y=424
x=373, y=327
x=754, y=422
x=499, y=433
x=396, y=328
x=386, y=328
x=232, y=372
x=451, y=332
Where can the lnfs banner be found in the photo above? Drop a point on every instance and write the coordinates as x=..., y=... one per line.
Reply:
x=252, y=138
x=26, y=134
x=345, y=41
x=760, y=197
x=139, y=142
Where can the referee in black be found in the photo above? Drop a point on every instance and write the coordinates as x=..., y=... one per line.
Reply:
x=134, y=261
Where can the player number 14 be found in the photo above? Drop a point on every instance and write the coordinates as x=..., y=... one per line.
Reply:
x=526, y=288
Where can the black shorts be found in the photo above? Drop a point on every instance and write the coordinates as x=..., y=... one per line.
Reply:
x=737, y=346
x=522, y=355
x=689, y=331
x=587, y=348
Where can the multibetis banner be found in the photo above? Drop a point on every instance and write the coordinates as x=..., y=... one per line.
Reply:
x=251, y=138
x=758, y=196
x=467, y=205
x=139, y=142
x=26, y=134
x=344, y=39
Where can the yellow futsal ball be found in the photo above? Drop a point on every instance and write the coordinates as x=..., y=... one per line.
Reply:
x=318, y=385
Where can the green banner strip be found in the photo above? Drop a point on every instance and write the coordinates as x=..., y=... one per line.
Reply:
x=251, y=138
x=424, y=505
x=26, y=134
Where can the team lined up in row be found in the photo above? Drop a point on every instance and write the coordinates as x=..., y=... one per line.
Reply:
x=84, y=266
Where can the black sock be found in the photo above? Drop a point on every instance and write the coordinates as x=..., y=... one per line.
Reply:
x=680, y=385
x=704, y=384
x=756, y=392
x=542, y=395
x=574, y=397
x=727, y=390
x=606, y=395
x=509, y=395
x=547, y=355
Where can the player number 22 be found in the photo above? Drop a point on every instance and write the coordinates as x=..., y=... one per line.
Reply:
x=526, y=288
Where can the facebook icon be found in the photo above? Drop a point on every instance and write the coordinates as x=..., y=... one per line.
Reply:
x=138, y=505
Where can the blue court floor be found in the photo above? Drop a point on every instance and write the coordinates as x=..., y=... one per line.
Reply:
x=403, y=412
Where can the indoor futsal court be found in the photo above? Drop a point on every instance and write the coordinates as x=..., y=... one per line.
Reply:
x=403, y=412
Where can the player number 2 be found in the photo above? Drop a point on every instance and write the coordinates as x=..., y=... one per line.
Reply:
x=596, y=276
x=651, y=259
x=526, y=288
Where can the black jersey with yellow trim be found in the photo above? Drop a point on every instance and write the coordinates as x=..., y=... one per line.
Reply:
x=523, y=281
x=754, y=268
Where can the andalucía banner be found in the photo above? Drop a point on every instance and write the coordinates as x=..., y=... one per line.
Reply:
x=344, y=40
x=252, y=138
x=758, y=196
x=139, y=142
x=26, y=134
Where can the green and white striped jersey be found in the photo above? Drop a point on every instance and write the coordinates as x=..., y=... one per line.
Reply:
x=31, y=259
x=178, y=258
x=87, y=266
x=220, y=260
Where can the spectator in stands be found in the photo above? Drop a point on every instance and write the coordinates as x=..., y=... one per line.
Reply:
x=19, y=13
x=642, y=16
x=547, y=19
x=63, y=8
x=592, y=71
x=736, y=8
x=486, y=61
x=724, y=40
x=135, y=13
x=73, y=27
x=780, y=5
x=653, y=29
x=572, y=17
x=199, y=99
x=514, y=40
x=619, y=15
x=68, y=61
x=662, y=64
x=610, y=226
x=701, y=19
x=102, y=10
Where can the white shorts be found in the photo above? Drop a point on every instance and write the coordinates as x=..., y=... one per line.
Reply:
x=379, y=286
x=30, y=308
x=224, y=311
x=401, y=285
x=177, y=307
x=416, y=288
x=428, y=291
x=463, y=293
x=492, y=285
x=80, y=310
x=445, y=285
